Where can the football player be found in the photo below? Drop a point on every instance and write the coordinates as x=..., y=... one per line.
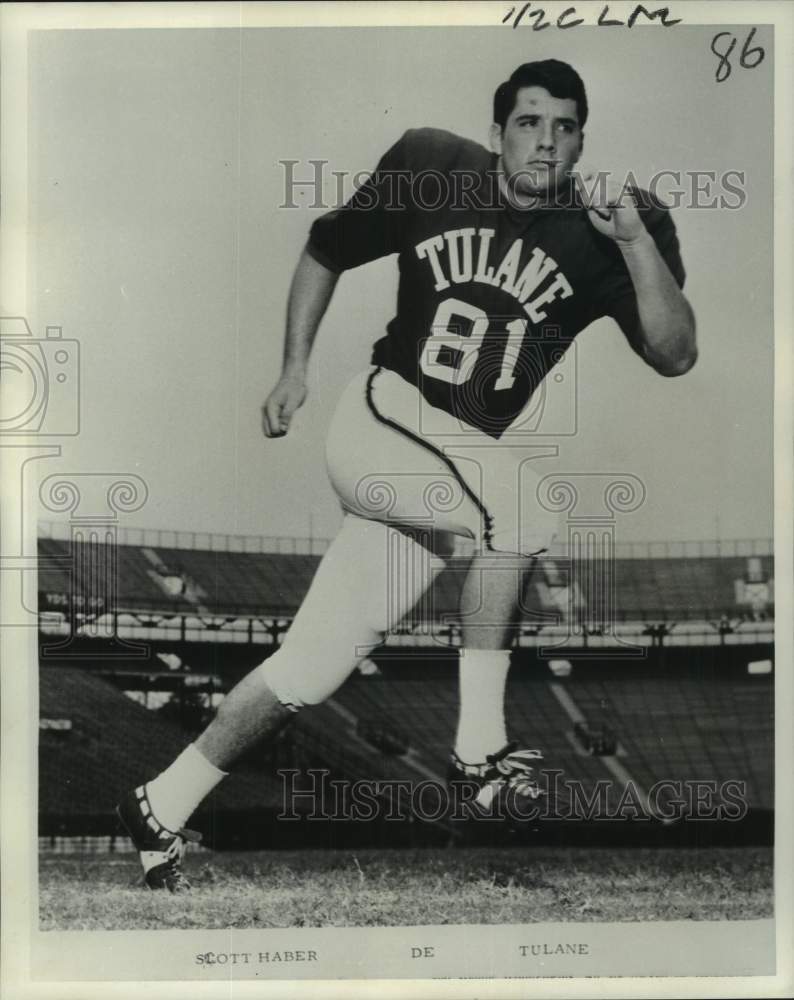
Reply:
x=504, y=258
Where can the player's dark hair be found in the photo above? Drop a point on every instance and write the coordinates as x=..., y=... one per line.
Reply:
x=560, y=79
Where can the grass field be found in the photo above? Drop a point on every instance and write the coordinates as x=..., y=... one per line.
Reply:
x=411, y=887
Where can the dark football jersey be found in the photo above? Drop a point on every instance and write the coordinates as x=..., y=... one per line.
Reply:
x=490, y=297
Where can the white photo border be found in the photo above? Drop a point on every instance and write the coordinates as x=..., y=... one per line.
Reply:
x=19, y=689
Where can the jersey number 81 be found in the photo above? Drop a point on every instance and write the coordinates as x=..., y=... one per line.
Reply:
x=464, y=348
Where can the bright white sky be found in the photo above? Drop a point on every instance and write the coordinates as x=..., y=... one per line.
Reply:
x=158, y=243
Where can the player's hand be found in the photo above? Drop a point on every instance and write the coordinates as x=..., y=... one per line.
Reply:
x=610, y=207
x=279, y=407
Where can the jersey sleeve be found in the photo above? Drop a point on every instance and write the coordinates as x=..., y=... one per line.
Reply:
x=369, y=225
x=615, y=294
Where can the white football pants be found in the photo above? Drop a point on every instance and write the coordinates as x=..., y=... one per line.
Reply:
x=391, y=476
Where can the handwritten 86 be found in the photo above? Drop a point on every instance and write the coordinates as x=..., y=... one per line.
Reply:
x=750, y=57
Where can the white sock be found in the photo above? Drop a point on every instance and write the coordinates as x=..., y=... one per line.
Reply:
x=481, y=722
x=174, y=794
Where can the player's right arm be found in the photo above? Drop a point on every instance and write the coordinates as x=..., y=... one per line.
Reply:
x=310, y=292
x=366, y=228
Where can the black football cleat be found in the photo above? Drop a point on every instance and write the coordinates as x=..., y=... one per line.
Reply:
x=511, y=783
x=159, y=849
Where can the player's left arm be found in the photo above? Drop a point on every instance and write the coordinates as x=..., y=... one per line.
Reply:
x=661, y=327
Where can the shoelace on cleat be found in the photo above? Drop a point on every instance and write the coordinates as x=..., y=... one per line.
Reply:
x=515, y=770
x=509, y=768
x=175, y=879
x=176, y=849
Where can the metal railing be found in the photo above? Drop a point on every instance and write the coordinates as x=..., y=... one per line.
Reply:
x=206, y=541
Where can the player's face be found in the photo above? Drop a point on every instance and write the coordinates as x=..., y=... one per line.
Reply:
x=540, y=143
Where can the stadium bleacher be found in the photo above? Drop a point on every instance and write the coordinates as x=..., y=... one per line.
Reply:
x=675, y=710
x=688, y=723
x=95, y=744
x=247, y=581
x=274, y=583
x=672, y=721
